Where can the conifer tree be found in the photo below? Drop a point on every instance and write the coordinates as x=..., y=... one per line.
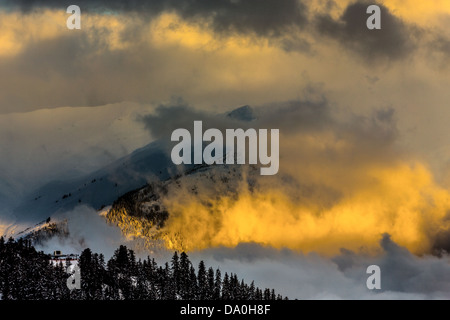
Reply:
x=176, y=274
x=226, y=287
x=87, y=274
x=202, y=281
x=251, y=291
x=210, y=284
x=170, y=289
x=193, y=291
x=217, y=285
x=266, y=294
x=185, y=265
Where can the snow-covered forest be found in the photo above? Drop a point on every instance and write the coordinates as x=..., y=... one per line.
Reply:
x=26, y=274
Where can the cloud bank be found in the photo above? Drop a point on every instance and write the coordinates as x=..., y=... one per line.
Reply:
x=341, y=184
x=403, y=275
x=365, y=155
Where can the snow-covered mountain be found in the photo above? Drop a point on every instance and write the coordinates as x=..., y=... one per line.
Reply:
x=141, y=214
x=96, y=190
x=100, y=187
x=140, y=176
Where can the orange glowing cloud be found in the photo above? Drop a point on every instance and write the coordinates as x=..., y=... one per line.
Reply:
x=401, y=200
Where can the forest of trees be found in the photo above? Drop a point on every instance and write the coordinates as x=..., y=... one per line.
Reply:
x=26, y=274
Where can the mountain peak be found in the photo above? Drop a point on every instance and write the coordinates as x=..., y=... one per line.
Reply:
x=244, y=113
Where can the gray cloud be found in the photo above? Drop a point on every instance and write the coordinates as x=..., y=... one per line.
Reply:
x=393, y=41
x=86, y=229
x=439, y=48
x=402, y=271
x=63, y=144
x=82, y=69
x=441, y=243
x=266, y=18
x=378, y=130
x=290, y=115
x=41, y=67
x=285, y=22
x=179, y=114
x=79, y=69
x=403, y=275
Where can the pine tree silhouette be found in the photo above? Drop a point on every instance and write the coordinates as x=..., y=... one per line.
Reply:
x=202, y=281
x=217, y=285
x=28, y=274
x=210, y=284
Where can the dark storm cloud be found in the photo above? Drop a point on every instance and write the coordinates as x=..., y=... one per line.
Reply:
x=282, y=20
x=179, y=114
x=292, y=116
x=442, y=240
x=401, y=271
x=84, y=68
x=393, y=41
x=265, y=18
x=440, y=44
x=81, y=68
x=368, y=133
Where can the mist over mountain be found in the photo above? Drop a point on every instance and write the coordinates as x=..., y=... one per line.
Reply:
x=145, y=201
x=363, y=177
x=99, y=189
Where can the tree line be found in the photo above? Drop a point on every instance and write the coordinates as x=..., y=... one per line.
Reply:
x=26, y=274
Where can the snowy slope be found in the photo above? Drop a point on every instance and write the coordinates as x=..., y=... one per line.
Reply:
x=97, y=189
x=102, y=187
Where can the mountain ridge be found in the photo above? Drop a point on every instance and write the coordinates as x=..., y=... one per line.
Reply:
x=146, y=167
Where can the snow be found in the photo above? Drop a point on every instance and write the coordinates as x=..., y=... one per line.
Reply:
x=73, y=263
x=21, y=230
x=64, y=142
x=98, y=189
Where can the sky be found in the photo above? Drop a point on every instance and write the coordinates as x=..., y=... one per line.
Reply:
x=363, y=116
